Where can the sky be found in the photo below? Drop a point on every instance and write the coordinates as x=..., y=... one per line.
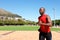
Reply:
x=29, y=9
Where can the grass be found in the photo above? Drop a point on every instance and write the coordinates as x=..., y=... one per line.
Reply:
x=23, y=28
x=19, y=28
x=55, y=29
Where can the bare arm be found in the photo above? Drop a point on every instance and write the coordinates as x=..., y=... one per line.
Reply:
x=49, y=22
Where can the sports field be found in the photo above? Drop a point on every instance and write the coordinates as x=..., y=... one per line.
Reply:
x=24, y=28
x=25, y=33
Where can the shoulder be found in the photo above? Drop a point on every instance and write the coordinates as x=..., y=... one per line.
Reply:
x=39, y=17
x=47, y=15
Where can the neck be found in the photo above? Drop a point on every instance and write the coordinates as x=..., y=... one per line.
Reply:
x=42, y=14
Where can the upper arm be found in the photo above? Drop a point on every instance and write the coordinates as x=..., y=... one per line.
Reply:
x=39, y=21
x=49, y=20
x=38, y=18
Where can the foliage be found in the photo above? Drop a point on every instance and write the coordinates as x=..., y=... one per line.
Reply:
x=57, y=22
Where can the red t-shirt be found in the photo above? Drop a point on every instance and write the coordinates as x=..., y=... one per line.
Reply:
x=43, y=19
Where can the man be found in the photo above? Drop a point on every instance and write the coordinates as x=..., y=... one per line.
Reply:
x=45, y=23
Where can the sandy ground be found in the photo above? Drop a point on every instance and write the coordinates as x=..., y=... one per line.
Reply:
x=24, y=35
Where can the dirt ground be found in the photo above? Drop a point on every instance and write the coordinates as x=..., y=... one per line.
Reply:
x=25, y=35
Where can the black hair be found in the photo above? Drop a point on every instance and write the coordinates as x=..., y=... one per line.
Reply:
x=43, y=8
